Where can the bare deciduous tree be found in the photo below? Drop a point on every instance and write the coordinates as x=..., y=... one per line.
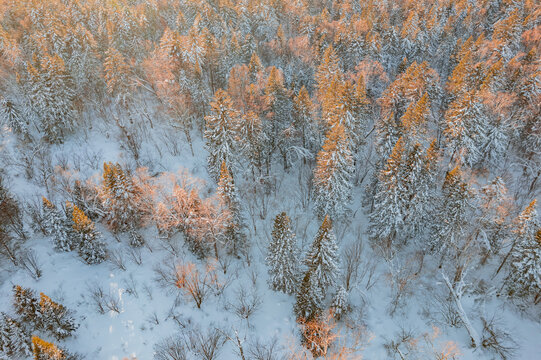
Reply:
x=197, y=284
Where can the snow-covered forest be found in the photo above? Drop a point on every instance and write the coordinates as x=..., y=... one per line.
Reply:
x=270, y=179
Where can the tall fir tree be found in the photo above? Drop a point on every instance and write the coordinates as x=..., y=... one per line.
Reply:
x=221, y=130
x=91, y=249
x=332, y=175
x=322, y=259
x=120, y=196
x=13, y=339
x=391, y=202
x=11, y=115
x=340, y=303
x=524, y=278
x=56, y=318
x=303, y=119
x=279, y=109
x=117, y=76
x=57, y=225
x=420, y=195
x=51, y=94
x=43, y=350
x=309, y=299
x=282, y=256
x=12, y=232
x=235, y=239
x=26, y=305
x=453, y=212
x=465, y=130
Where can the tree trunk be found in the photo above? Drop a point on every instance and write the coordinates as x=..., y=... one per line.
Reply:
x=474, y=336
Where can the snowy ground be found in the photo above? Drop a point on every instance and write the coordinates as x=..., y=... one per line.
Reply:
x=149, y=312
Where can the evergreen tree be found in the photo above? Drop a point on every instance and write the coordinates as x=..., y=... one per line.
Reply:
x=495, y=206
x=235, y=239
x=391, y=202
x=117, y=77
x=304, y=120
x=55, y=318
x=11, y=224
x=415, y=120
x=279, y=109
x=136, y=239
x=252, y=138
x=453, y=213
x=11, y=115
x=26, y=305
x=13, y=340
x=340, y=303
x=43, y=350
x=357, y=112
x=221, y=132
x=466, y=126
x=282, y=256
x=420, y=177
x=254, y=67
x=309, y=299
x=328, y=71
x=57, y=225
x=322, y=259
x=332, y=175
x=51, y=95
x=91, y=249
x=120, y=198
x=524, y=278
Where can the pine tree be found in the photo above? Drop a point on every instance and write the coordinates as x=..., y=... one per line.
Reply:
x=332, y=175
x=322, y=259
x=309, y=299
x=340, y=303
x=91, y=248
x=235, y=239
x=26, y=305
x=43, y=350
x=282, y=256
x=120, y=198
x=13, y=340
x=391, y=202
x=221, y=132
x=55, y=318
x=524, y=278
x=57, y=225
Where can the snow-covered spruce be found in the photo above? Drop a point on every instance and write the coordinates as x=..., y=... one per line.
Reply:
x=59, y=227
x=91, y=249
x=13, y=339
x=282, y=256
x=322, y=259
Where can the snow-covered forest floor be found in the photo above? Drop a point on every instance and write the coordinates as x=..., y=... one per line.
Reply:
x=140, y=310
